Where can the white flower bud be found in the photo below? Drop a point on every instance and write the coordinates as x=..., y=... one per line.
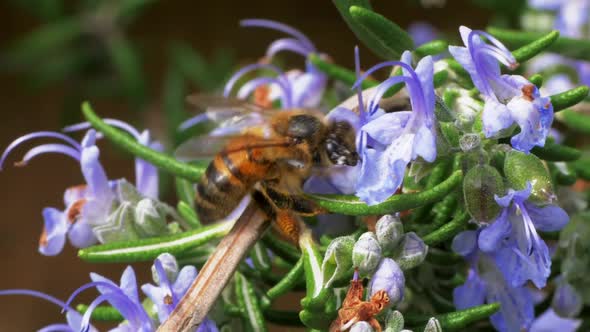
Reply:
x=118, y=226
x=411, y=252
x=366, y=254
x=338, y=259
x=390, y=278
x=433, y=325
x=361, y=327
x=389, y=230
x=149, y=218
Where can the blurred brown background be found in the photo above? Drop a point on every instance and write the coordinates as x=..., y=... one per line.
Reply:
x=205, y=26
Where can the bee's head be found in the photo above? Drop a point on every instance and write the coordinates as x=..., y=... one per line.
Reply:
x=340, y=144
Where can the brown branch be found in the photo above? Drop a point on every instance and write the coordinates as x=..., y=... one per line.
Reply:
x=217, y=272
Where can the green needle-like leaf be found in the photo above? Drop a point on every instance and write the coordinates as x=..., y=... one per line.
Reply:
x=569, y=98
x=385, y=38
x=432, y=48
x=556, y=152
x=582, y=168
x=149, y=249
x=576, y=121
x=249, y=304
x=102, y=313
x=289, y=282
x=537, y=80
x=570, y=47
x=158, y=159
x=351, y=205
x=459, y=319
x=447, y=231
x=535, y=47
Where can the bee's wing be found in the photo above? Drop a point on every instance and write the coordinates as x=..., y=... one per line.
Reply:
x=201, y=147
x=229, y=113
x=206, y=147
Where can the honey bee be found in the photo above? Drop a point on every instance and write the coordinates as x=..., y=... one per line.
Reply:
x=266, y=153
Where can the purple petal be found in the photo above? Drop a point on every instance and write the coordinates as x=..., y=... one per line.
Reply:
x=262, y=23
x=387, y=127
x=425, y=144
x=39, y=134
x=344, y=114
x=94, y=174
x=549, y=321
x=307, y=89
x=157, y=295
x=129, y=284
x=465, y=243
x=256, y=66
x=567, y=302
x=422, y=32
x=185, y=278
x=492, y=237
x=471, y=293
x=287, y=44
x=54, y=233
x=146, y=174
x=517, y=311
x=207, y=326
x=81, y=235
x=550, y=218
x=50, y=148
x=495, y=117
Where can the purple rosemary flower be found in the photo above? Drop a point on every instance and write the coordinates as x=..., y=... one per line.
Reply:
x=512, y=239
x=567, y=301
x=486, y=284
x=171, y=284
x=123, y=297
x=146, y=174
x=73, y=318
x=508, y=99
x=549, y=321
x=85, y=205
x=422, y=32
x=388, y=142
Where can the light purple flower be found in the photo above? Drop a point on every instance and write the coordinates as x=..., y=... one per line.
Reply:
x=549, y=321
x=86, y=205
x=170, y=288
x=390, y=278
x=73, y=318
x=508, y=99
x=566, y=302
x=388, y=142
x=146, y=174
x=513, y=241
x=486, y=284
x=123, y=297
x=422, y=32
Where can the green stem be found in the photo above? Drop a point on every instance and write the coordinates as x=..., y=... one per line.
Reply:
x=188, y=214
x=339, y=73
x=351, y=205
x=102, y=313
x=149, y=249
x=158, y=159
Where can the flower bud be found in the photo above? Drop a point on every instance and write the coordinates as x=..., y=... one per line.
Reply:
x=566, y=300
x=361, y=326
x=150, y=218
x=411, y=252
x=480, y=185
x=433, y=325
x=390, y=278
x=521, y=168
x=469, y=142
x=170, y=268
x=118, y=226
x=338, y=259
x=366, y=254
x=389, y=230
x=126, y=192
x=394, y=322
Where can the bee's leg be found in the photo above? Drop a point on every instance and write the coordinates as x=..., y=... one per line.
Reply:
x=285, y=222
x=296, y=203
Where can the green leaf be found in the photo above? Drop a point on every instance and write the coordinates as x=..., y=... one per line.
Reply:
x=188, y=214
x=459, y=319
x=185, y=191
x=248, y=302
x=521, y=168
x=447, y=231
x=289, y=281
x=158, y=159
x=351, y=205
x=570, y=47
x=385, y=38
x=576, y=121
x=535, y=47
x=556, y=152
x=148, y=249
x=582, y=168
x=339, y=73
x=432, y=48
x=102, y=313
x=569, y=98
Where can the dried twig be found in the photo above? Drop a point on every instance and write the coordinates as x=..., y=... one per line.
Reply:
x=217, y=272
